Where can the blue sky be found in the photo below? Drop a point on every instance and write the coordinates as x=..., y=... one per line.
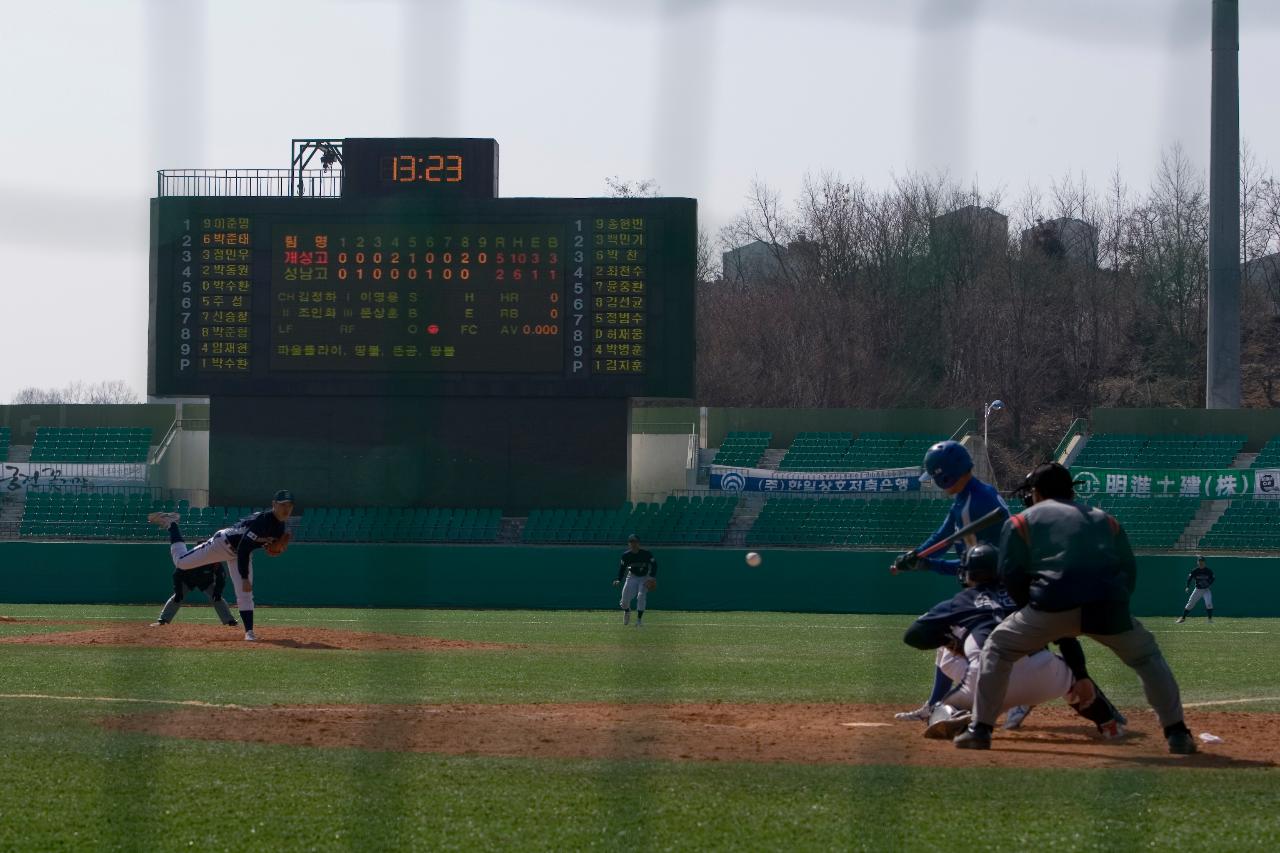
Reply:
x=703, y=96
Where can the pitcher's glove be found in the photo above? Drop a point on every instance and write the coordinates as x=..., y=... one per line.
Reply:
x=907, y=562
x=276, y=548
x=651, y=584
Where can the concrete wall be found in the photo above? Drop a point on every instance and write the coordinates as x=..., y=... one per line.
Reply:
x=315, y=574
x=658, y=465
x=185, y=464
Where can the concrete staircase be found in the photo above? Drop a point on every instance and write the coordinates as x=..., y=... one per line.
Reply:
x=744, y=517
x=771, y=459
x=1206, y=517
x=12, y=506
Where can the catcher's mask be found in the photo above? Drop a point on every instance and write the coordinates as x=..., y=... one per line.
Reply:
x=979, y=566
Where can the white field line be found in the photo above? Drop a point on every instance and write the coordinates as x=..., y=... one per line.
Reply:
x=188, y=702
x=1230, y=702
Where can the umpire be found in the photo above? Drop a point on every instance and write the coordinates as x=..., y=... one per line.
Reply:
x=210, y=579
x=1071, y=568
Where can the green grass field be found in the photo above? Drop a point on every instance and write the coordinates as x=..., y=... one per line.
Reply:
x=65, y=783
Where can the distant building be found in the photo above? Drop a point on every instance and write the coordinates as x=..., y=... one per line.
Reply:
x=756, y=261
x=969, y=229
x=1073, y=240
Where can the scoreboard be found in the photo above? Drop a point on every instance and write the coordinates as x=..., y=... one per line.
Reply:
x=418, y=281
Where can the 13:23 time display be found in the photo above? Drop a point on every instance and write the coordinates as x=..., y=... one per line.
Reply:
x=413, y=168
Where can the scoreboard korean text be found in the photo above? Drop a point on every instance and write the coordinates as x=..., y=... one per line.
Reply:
x=416, y=282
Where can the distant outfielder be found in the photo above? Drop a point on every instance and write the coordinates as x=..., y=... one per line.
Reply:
x=640, y=571
x=236, y=543
x=1202, y=577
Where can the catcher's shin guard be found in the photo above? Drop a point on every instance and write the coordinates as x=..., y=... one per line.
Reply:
x=1100, y=711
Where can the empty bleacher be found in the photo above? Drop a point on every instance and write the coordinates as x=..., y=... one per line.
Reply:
x=695, y=520
x=1119, y=450
x=91, y=444
x=4, y=443
x=76, y=515
x=117, y=516
x=869, y=451
x=1269, y=456
x=873, y=522
x=1150, y=522
x=742, y=449
x=1247, y=525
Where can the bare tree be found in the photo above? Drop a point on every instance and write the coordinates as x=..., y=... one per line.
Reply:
x=623, y=188
x=110, y=391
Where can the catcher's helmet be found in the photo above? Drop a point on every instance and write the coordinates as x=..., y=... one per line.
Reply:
x=980, y=565
x=945, y=463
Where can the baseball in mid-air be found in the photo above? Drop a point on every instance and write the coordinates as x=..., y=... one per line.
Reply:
x=754, y=559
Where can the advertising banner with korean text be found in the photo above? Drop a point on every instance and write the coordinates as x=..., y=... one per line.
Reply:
x=1210, y=484
x=860, y=482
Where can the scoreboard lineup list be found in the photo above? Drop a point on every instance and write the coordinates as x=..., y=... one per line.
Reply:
x=404, y=298
x=419, y=280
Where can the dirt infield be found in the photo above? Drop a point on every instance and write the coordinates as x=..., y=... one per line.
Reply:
x=797, y=733
x=196, y=636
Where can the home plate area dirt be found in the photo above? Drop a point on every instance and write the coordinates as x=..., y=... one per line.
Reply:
x=790, y=733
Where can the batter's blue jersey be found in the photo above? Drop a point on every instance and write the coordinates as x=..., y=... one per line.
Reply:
x=972, y=502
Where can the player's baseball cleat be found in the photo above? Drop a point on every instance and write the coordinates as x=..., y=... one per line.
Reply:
x=1018, y=713
x=157, y=624
x=947, y=722
x=922, y=713
x=639, y=624
x=1209, y=620
x=164, y=519
x=1112, y=730
x=232, y=624
x=975, y=737
x=250, y=637
x=1179, y=620
x=1182, y=743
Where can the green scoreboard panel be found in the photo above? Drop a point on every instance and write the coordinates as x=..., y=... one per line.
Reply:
x=422, y=292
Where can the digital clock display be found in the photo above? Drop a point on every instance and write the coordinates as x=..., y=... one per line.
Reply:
x=433, y=168
x=453, y=168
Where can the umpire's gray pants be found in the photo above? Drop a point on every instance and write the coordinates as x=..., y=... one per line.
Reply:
x=1028, y=630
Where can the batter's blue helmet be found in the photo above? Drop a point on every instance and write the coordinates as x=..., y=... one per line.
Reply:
x=945, y=463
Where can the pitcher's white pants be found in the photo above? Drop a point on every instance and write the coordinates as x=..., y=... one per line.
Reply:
x=215, y=549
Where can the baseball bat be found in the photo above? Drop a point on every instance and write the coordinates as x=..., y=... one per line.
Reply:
x=997, y=514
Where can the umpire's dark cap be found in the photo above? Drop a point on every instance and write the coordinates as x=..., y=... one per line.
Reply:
x=633, y=538
x=284, y=496
x=1052, y=480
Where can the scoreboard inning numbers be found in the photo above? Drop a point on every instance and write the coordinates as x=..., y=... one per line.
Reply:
x=418, y=281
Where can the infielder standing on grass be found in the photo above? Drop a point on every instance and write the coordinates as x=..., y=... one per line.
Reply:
x=210, y=580
x=640, y=571
x=1202, y=577
x=1070, y=568
x=950, y=467
x=236, y=543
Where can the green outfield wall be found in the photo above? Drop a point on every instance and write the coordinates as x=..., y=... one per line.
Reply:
x=377, y=575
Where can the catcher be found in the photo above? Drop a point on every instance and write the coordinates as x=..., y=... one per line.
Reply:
x=264, y=529
x=210, y=580
x=640, y=571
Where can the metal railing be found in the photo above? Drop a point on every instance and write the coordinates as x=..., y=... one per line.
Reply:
x=1078, y=426
x=311, y=183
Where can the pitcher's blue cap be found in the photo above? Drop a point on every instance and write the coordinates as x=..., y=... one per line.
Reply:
x=284, y=496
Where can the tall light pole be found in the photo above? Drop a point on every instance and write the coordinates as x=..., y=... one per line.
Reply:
x=993, y=406
x=1222, y=362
